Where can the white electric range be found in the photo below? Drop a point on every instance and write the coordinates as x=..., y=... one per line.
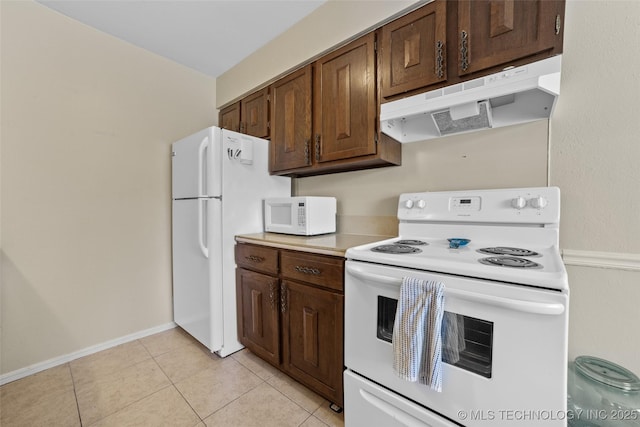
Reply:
x=506, y=289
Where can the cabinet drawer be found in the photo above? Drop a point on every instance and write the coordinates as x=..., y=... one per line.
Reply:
x=317, y=269
x=260, y=258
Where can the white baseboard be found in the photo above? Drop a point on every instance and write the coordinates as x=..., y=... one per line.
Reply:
x=41, y=366
x=612, y=260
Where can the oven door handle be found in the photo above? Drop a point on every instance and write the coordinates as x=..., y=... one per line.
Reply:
x=533, y=307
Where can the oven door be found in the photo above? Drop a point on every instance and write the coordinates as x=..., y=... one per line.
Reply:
x=510, y=358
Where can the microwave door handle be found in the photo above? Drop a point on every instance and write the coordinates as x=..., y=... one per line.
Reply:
x=547, y=308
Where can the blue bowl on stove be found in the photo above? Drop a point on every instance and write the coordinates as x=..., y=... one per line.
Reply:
x=455, y=243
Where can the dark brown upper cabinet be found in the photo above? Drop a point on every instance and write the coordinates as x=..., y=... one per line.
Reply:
x=497, y=32
x=254, y=115
x=250, y=115
x=480, y=37
x=290, y=146
x=230, y=117
x=413, y=50
x=345, y=102
x=337, y=97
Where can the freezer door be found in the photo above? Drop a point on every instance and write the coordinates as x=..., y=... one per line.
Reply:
x=196, y=169
x=196, y=272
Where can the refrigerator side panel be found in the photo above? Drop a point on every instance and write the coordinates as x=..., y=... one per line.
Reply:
x=214, y=248
x=191, y=270
x=190, y=165
x=214, y=164
x=245, y=183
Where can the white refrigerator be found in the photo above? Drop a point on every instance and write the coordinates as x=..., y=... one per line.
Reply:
x=219, y=180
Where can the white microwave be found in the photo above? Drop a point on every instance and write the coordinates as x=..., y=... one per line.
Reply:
x=305, y=216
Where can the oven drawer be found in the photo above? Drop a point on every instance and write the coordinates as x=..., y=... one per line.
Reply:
x=368, y=404
x=319, y=270
x=259, y=258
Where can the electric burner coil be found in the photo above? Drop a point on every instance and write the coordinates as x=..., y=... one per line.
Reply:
x=509, y=261
x=396, y=249
x=508, y=251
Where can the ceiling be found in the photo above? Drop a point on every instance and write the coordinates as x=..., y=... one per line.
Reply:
x=210, y=36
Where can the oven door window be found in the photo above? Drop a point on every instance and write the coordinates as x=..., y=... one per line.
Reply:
x=467, y=342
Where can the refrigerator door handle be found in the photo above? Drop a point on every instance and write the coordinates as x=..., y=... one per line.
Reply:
x=201, y=228
x=201, y=167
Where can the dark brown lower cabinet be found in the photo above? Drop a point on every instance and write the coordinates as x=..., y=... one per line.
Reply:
x=312, y=337
x=258, y=314
x=291, y=313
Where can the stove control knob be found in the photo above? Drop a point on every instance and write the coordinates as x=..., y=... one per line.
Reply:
x=421, y=204
x=538, y=202
x=519, y=202
x=408, y=204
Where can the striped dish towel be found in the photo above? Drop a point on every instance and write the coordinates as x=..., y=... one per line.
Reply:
x=417, y=340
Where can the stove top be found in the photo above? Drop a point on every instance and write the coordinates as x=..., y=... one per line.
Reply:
x=506, y=235
x=544, y=269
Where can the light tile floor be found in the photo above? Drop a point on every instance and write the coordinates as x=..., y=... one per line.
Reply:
x=167, y=379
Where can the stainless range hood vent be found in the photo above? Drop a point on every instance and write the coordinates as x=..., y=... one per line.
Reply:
x=513, y=96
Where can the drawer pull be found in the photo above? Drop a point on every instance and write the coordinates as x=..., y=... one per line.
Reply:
x=254, y=258
x=307, y=270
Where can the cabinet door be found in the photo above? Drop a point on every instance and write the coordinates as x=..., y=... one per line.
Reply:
x=230, y=117
x=255, y=114
x=413, y=51
x=291, y=121
x=345, y=102
x=258, y=316
x=312, y=334
x=496, y=32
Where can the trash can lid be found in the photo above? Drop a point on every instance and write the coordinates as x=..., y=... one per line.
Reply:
x=607, y=373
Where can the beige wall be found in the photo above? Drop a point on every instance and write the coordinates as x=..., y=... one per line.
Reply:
x=87, y=122
x=329, y=25
x=592, y=145
x=594, y=157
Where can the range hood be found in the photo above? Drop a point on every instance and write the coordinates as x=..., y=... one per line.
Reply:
x=514, y=95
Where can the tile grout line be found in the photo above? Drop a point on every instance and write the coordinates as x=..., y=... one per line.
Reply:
x=243, y=394
x=75, y=393
x=266, y=381
x=121, y=369
x=173, y=384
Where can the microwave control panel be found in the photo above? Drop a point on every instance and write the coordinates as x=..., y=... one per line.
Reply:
x=301, y=215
